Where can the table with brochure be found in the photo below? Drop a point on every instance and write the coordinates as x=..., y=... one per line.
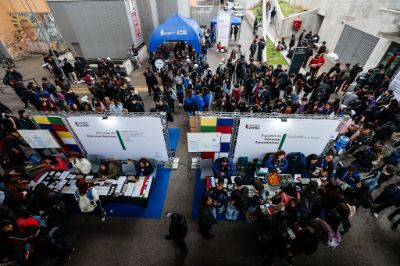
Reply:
x=120, y=189
x=262, y=176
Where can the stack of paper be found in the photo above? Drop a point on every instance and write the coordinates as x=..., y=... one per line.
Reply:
x=129, y=189
x=102, y=190
x=120, y=184
x=68, y=190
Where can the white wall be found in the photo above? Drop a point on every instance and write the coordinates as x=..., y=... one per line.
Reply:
x=248, y=4
x=364, y=15
x=311, y=21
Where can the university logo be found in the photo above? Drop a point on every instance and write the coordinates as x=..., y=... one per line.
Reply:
x=250, y=126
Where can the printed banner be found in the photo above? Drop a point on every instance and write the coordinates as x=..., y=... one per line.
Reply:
x=135, y=19
x=121, y=137
x=258, y=136
x=224, y=27
x=60, y=132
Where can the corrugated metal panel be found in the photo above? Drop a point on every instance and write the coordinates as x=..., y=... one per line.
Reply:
x=355, y=46
x=204, y=14
x=100, y=27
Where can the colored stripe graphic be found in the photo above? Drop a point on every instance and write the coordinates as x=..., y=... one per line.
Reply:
x=120, y=140
x=282, y=141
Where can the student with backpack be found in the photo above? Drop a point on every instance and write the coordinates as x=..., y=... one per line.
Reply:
x=88, y=199
x=239, y=202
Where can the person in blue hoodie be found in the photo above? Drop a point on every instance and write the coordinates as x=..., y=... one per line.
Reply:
x=188, y=101
x=223, y=168
x=198, y=104
x=350, y=175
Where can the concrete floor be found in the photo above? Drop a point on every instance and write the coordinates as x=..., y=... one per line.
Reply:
x=128, y=241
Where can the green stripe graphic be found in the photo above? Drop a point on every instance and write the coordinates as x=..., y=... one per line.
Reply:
x=282, y=141
x=120, y=140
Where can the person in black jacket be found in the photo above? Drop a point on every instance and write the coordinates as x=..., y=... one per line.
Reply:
x=206, y=218
x=144, y=168
x=135, y=105
x=151, y=80
x=177, y=230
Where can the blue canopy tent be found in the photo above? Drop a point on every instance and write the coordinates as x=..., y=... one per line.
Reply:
x=176, y=28
x=234, y=21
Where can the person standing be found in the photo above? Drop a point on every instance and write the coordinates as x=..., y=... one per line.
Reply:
x=321, y=62
x=255, y=26
x=292, y=42
x=151, y=80
x=133, y=54
x=301, y=36
x=177, y=230
x=322, y=48
x=206, y=218
x=273, y=14
x=88, y=199
x=268, y=5
x=236, y=31
x=261, y=46
x=219, y=197
x=70, y=71
x=253, y=48
x=239, y=202
x=308, y=53
x=314, y=65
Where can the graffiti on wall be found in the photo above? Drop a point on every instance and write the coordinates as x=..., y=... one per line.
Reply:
x=30, y=32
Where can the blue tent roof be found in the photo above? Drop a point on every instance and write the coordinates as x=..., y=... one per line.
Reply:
x=176, y=28
x=234, y=20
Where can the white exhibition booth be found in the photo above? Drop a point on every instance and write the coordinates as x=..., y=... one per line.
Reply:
x=121, y=137
x=258, y=136
x=254, y=135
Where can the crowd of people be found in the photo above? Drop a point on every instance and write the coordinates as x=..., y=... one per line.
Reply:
x=302, y=215
x=32, y=215
x=296, y=219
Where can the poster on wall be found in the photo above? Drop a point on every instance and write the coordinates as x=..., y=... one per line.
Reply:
x=39, y=139
x=58, y=129
x=258, y=136
x=395, y=85
x=27, y=33
x=224, y=27
x=204, y=142
x=121, y=137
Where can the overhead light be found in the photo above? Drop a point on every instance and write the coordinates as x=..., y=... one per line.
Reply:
x=283, y=119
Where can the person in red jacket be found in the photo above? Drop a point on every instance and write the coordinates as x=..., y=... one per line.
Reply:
x=321, y=61
x=55, y=163
x=236, y=93
x=314, y=65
